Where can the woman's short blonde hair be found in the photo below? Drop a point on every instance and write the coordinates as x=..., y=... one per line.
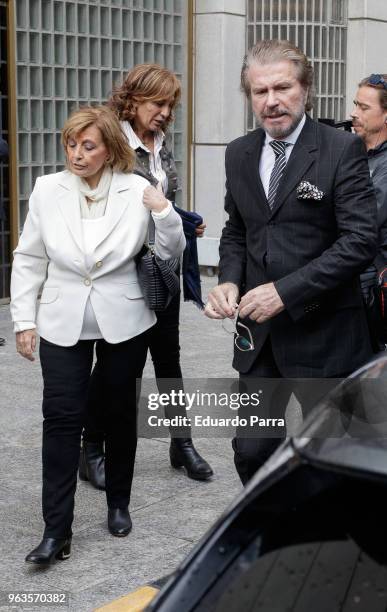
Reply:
x=121, y=155
x=145, y=83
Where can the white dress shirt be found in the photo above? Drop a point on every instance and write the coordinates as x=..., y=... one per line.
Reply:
x=154, y=156
x=267, y=160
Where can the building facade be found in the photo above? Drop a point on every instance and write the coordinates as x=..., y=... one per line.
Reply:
x=59, y=55
x=55, y=55
x=344, y=39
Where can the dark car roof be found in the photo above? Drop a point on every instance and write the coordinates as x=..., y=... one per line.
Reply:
x=349, y=427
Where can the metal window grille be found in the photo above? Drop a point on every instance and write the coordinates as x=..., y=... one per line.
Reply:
x=319, y=28
x=338, y=11
x=71, y=52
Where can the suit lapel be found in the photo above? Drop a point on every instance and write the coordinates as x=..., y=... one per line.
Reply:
x=69, y=206
x=252, y=156
x=301, y=158
x=117, y=203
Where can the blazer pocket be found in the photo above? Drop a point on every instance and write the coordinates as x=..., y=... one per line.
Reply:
x=49, y=294
x=133, y=292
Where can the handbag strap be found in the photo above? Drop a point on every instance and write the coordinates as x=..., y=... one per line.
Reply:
x=151, y=231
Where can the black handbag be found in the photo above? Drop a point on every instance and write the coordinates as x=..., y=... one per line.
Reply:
x=158, y=278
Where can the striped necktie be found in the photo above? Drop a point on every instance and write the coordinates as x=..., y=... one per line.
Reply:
x=278, y=147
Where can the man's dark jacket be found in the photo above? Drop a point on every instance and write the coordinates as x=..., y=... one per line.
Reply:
x=313, y=250
x=377, y=162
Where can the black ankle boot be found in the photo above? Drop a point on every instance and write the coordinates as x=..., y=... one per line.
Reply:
x=92, y=464
x=50, y=549
x=119, y=521
x=183, y=454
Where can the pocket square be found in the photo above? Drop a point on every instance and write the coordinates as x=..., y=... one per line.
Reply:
x=307, y=191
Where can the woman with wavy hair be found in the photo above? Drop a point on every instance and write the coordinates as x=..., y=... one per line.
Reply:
x=145, y=103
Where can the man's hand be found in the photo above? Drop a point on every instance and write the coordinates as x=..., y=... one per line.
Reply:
x=26, y=343
x=222, y=301
x=261, y=303
x=200, y=229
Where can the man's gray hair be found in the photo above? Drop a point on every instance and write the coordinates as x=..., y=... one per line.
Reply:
x=273, y=51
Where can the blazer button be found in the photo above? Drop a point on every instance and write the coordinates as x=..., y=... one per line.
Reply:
x=87, y=281
x=98, y=264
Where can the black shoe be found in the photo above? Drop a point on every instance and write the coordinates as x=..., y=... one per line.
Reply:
x=92, y=464
x=50, y=549
x=183, y=454
x=119, y=521
x=2, y=341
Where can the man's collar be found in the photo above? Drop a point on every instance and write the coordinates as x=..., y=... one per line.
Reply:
x=292, y=138
x=377, y=149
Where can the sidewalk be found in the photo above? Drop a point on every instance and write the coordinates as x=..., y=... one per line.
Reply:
x=170, y=512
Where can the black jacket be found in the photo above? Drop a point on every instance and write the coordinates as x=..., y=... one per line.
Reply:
x=377, y=162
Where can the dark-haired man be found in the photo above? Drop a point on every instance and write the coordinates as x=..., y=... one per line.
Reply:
x=301, y=227
x=369, y=118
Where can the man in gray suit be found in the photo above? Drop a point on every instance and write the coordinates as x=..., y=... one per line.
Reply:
x=301, y=228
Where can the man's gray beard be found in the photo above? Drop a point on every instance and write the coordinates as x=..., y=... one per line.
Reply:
x=278, y=132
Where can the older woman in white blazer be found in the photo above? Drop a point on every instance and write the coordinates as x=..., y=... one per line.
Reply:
x=84, y=227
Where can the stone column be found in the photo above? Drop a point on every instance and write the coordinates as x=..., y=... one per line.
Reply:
x=219, y=109
x=366, y=46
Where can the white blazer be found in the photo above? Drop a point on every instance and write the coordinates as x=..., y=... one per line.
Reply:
x=51, y=252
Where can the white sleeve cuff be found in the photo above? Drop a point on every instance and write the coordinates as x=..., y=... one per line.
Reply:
x=164, y=213
x=20, y=326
